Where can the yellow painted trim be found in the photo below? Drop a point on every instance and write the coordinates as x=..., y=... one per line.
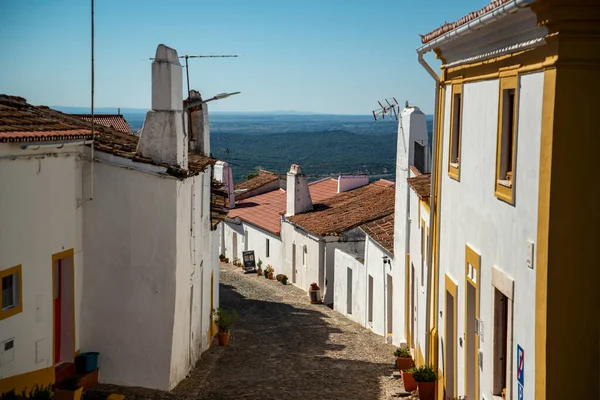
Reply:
x=509, y=81
x=420, y=358
x=454, y=170
x=41, y=377
x=407, y=298
x=440, y=386
x=55, y=257
x=473, y=258
x=426, y=206
x=452, y=289
x=16, y=270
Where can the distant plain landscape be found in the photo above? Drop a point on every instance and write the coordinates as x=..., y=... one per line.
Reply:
x=324, y=145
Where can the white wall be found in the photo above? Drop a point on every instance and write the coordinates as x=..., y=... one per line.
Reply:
x=471, y=215
x=40, y=217
x=343, y=262
x=309, y=273
x=374, y=267
x=257, y=241
x=130, y=278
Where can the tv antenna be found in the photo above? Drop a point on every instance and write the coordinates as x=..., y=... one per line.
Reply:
x=187, y=72
x=387, y=106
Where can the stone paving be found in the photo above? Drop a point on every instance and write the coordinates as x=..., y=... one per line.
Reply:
x=283, y=348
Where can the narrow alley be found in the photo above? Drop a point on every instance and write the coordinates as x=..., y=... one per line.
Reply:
x=284, y=348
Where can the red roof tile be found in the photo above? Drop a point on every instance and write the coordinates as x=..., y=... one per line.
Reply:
x=348, y=210
x=382, y=231
x=421, y=185
x=21, y=122
x=116, y=121
x=447, y=27
x=264, y=210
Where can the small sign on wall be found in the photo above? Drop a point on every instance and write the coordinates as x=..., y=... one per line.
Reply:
x=530, y=254
x=520, y=371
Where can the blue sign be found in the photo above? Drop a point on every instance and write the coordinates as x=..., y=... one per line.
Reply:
x=520, y=392
x=520, y=365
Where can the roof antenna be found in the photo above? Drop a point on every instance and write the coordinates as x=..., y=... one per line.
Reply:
x=388, y=106
x=118, y=111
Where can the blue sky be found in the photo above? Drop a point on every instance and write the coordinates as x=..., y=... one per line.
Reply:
x=331, y=56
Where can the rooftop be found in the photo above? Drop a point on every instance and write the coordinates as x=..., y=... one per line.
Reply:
x=264, y=177
x=450, y=26
x=23, y=122
x=382, y=231
x=116, y=121
x=348, y=210
x=421, y=184
x=264, y=210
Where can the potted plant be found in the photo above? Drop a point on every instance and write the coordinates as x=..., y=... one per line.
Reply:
x=221, y=257
x=270, y=271
x=284, y=279
x=408, y=380
x=224, y=319
x=403, y=359
x=68, y=389
x=426, y=377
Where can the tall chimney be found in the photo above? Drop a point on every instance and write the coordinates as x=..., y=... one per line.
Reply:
x=199, y=127
x=163, y=139
x=298, y=196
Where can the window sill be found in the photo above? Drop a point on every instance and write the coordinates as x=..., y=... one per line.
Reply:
x=507, y=184
x=454, y=171
x=11, y=312
x=504, y=193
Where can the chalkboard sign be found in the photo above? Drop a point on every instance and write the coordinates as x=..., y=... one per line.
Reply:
x=249, y=263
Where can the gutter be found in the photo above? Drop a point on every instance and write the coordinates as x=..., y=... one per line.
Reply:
x=476, y=24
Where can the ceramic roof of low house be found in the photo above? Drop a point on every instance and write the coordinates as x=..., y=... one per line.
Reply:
x=264, y=210
x=348, y=210
x=382, y=231
x=264, y=177
x=447, y=27
x=116, y=121
x=421, y=184
x=23, y=122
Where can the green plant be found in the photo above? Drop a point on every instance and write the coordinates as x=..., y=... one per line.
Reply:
x=402, y=353
x=269, y=269
x=425, y=373
x=224, y=319
x=12, y=395
x=259, y=263
x=41, y=393
x=411, y=370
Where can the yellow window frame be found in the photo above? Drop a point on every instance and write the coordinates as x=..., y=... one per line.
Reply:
x=454, y=167
x=16, y=270
x=504, y=189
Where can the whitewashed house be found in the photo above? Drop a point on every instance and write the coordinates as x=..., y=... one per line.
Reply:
x=513, y=270
x=312, y=232
x=121, y=253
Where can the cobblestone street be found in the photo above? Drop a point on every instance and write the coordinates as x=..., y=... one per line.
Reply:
x=285, y=348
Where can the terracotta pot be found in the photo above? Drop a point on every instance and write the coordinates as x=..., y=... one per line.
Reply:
x=223, y=338
x=408, y=381
x=404, y=363
x=259, y=271
x=60, y=394
x=270, y=275
x=426, y=390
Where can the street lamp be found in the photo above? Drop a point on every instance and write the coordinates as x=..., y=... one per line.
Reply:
x=198, y=102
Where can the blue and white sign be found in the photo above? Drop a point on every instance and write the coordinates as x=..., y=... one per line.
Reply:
x=520, y=371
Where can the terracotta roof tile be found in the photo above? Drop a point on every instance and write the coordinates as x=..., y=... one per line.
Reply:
x=264, y=177
x=382, y=231
x=264, y=210
x=116, y=121
x=421, y=185
x=348, y=210
x=447, y=27
x=21, y=122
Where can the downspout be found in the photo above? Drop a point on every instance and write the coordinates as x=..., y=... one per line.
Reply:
x=431, y=319
x=92, y=107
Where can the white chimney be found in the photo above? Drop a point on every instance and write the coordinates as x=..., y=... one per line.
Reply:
x=199, y=127
x=298, y=196
x=223, y=174
x=413, y=140
x=163, y=138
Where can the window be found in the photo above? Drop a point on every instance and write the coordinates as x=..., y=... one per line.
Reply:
x=455, y=132
x=11, y=300
x=420, y=157
x=267, y=247
x=304, y=251
x=370, y=315
x=423, y=251
x=506, y=143
x=246, y=240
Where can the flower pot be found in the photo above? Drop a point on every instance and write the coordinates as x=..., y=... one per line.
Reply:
x=270, y=275
x=259, y=271
x=223, y=338
x=408, y=381
x=404, y=363
x=426, y=390
x=62, y=394
x=266, y=275
x=284, y=281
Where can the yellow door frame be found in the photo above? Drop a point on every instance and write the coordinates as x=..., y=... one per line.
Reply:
x=474, y=259
x=452, y=290
x=55, y=257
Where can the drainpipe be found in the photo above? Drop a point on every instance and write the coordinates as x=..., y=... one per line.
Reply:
x=92, y=109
